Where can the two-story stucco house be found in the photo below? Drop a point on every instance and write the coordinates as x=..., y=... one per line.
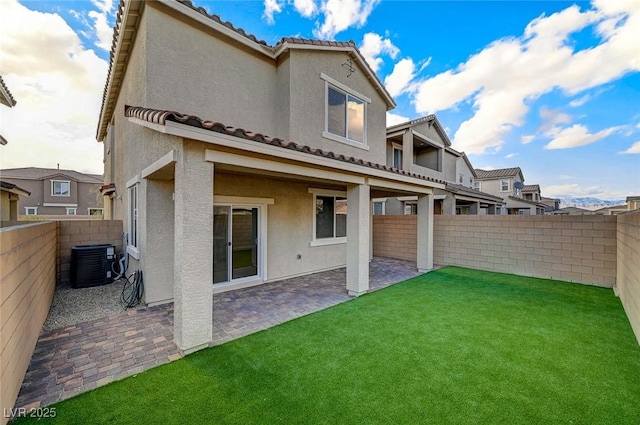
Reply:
x=234, y=163
x=508, y=183
x=55, y=192
x=422, y=146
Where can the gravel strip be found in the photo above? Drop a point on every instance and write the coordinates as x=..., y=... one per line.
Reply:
x=72, y=306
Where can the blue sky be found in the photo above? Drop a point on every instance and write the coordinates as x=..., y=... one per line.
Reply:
x=550, y=86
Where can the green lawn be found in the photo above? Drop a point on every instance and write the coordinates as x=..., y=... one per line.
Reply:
x=455, y=346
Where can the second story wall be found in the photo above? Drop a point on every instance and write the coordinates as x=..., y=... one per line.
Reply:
x=311, y=72
x=195, y=70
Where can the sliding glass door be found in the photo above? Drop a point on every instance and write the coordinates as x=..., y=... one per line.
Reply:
x=236, y=243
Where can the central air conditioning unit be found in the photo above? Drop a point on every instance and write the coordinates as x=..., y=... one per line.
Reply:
x=91, y=265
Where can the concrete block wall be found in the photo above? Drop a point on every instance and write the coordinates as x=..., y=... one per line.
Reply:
x=27, y=284
x=574, y=248
x=84, y=232
x=628, y=260
x=394, y=236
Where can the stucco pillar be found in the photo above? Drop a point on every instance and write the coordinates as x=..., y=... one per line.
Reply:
x=159, y=232
x=425, y=233
x=407, y=150
x=193, y=249
x=358, y=218
x=474, y=208
x=491, y=210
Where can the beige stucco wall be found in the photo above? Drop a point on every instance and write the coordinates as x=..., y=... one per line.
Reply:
x=191, y=71
x=574, y=248
x=290, y=224
x=628, y=280
x=307, y=103
x=27, y=283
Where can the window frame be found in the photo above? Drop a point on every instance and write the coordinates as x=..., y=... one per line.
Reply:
x=133, y=217
x=502, y=181
x=27, y=209
x=413, y=207
x=341, y=88
x=74, y=209
x=476, y=185
x=382, y=202
x=335, y=240
x=53, y=185
x=397, y=148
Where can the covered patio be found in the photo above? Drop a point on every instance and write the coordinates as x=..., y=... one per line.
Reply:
x=84, y=356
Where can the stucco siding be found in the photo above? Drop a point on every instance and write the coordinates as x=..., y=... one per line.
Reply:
x=192, y=71
x=290, y=224
x=307, y=105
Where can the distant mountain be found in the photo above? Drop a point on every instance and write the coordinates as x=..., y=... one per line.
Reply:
x=588, y=203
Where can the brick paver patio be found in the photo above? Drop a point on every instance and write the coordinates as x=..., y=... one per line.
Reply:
x=79, y=358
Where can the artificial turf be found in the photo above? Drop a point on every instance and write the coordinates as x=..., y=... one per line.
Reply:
x=454, y=346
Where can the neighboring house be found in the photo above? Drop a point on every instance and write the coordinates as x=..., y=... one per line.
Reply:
x=508, y=183
x=551, y=204
x=6, y=99
x=209, y=201
x=9, y=196
x=422, y=146
x=572, y=211
x=633, y=203
x=56, y=192
x=612, y=210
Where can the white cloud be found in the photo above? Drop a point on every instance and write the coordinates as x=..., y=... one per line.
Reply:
x=306, y=8
x=373, y=45
x=340, y=15
x=393, y=119
x=575, y=190
x=633, y=149
x=511, y=155
x=527, y=139
x=398, y=81
x=580, y=101
x=271, y=7
x=505, y=76
x=58, y=86
x=101, y=26
x=551, y=119
x=578, y=135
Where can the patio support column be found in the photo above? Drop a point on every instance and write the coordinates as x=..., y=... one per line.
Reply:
x=425, y=233
x=492, y=209
x=407, y=150
x=358, y=219
x=193, y=249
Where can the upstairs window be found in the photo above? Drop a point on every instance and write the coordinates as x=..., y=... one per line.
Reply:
x=345, y=114
x=476, y=185
x=504, y=186
x=397, y=157
x=60, y=188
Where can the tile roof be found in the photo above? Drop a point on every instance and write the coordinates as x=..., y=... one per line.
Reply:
x=496, y=174
x=160, y=117
x=515, y=198
x=6, y=97
x=531, y=188
x=431, y=118
x=34, y=173
x=114, y=68
x=10, y=187
x=458, y=188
